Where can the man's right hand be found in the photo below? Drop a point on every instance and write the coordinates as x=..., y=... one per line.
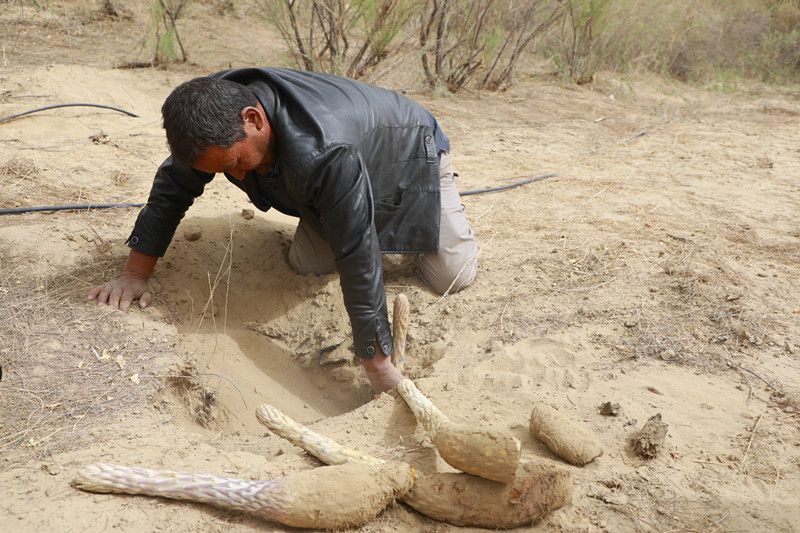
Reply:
x=130, y=286
x=120, y=292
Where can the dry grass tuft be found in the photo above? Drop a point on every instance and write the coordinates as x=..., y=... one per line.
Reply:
x=66, y=367
x=19, y=168
x=201, y=401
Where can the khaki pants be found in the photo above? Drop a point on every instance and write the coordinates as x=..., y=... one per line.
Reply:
x=451, y=269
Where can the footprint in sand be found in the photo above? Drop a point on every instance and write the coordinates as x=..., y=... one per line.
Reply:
x=533, y=361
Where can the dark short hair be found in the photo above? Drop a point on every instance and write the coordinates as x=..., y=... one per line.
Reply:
x=203, y=112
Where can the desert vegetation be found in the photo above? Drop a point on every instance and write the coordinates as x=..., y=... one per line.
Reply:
x=479, y=43
x=473, y=44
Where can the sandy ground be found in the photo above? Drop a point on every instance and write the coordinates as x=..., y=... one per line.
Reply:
x=660, y=270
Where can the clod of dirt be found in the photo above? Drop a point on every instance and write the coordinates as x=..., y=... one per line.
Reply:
x=191, y=235
x=463, y=500
x=650, y=440
x=610, y=409
x=570, y=440
x=247, y=214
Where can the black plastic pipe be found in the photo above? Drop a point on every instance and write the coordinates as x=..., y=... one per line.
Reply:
x=15, y=210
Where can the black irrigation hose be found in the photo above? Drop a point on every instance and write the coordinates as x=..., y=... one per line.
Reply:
x=14, y=210
x=9, y=118
x=509, y=186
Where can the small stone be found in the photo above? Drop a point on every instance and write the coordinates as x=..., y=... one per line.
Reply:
x=610, y=409
x=764, y=162
x=668, y=355
x=247, y=214
x=51, y=469
x=608, y=496
x=191, y=235
x=789, y=347
x=100, y=137
x=630, y=323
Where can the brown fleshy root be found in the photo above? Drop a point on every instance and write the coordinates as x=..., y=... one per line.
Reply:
x=491, y=454
x=538, y=489
x=570, y=440
x=349, y=495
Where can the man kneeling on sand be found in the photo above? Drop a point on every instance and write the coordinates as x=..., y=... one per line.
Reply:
x=366, y=170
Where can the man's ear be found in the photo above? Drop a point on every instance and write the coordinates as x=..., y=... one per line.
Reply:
x=253, y=116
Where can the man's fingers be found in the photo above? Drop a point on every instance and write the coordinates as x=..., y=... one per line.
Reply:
x=94, y=292
x=113, y=300
x=145, y=299
x=125, y=300
x=102, y=298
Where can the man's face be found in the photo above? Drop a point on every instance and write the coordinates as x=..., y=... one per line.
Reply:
x=250, y=153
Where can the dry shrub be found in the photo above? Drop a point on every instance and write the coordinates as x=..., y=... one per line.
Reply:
x=162, y=35
x=337, y=36
x=479, y=42
x=687, y=40
x=577, y=39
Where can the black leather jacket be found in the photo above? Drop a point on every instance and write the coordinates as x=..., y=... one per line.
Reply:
x=357, y=162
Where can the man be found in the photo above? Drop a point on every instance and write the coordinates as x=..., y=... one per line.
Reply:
x=365, y=169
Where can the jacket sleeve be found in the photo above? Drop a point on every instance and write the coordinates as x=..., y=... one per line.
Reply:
x=342, y=199
x=174, y=189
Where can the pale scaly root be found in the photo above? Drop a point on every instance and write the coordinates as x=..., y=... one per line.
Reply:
x=328, y=497
x=326, y=450
x=400, y=318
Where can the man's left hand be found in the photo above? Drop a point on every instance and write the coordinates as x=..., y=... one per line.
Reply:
x=382, y=374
